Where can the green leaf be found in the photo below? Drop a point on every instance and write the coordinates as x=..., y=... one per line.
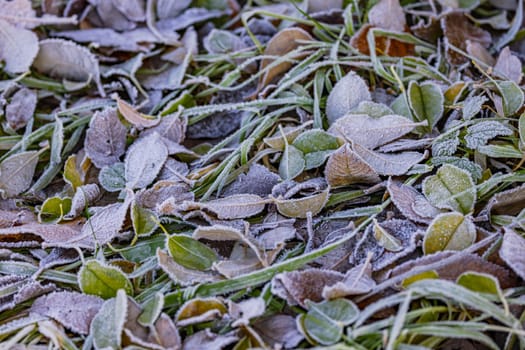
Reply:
x=103, y=280
x=325, y=321
x=191, y=253
x=451, y=188
x=144, y=220
x=500, y=151
x=107, y=326
x=512, y=97
x=16, y=173
x=112, y=178
x=316, y=146
x=521, y=128
x=479, y=282
x=151, y=310
x=426, y=101
x=292, y=163
x=54, y=209
x=385, y=239
x=71, y=174
x=480, y=133
x=449, y=231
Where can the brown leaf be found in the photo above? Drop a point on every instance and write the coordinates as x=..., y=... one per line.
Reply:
x=237, y=206
x=198, y=310
x=208, y=340
x=300, y=207
x=383, y=45
x=20, y=289
x=180, y=274
x=477, y=50
x=136, y=118
x=282, y=43
x=457, y=29
x=357, y=280
x=278, y=331
x=389, y=163
x=297, y=286
x=344, y=167
x=73, y=310
x=50, y=234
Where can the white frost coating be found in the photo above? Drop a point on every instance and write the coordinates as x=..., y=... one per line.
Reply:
x=345, y=96
x=18, y=47
x=144, y=160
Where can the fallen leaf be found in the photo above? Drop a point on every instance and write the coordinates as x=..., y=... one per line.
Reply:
x=144, y=159
x=387, y=163
x=387, y=14
x=511, y=251
x=105, y=139
x=509, y=66
x=345, y=96
x=136, y=118
x=237, y=206
x=21, y=108
x=358, y=280
x=64, y=59
x=73, y=310
x=345, y=167
x=18, y=47
x=412, y=204
x=17, y=173
x=449, y=231
x=300, y=207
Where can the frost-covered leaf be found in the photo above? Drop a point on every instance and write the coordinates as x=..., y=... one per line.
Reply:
x=449, y=231
x=144, y=220
x=511, y=251
x=168, y=8
x=16, y=173
x=508, y=66
x=446, y=144
x=345, y=167
x=258, y=180
x=100, y=279
x=297, y=286
x=190, y=253
x=222, y=41
x=388, y=14
x=385, y=239
x=412, y=204
x=480, y=133
x=480, y=283
x=18, y=47
x=324, y=322
x=171, y=127
x=199, y=310
x=112, y=178
x=501, y=151
x=372, y=132
x=206, y=339
x=66, y=60
x=451, y=188
x=106, y=138
x=84, y=196
x=290, y=133
x=426, y=101
x=233, y=207
x=102, y=227
x=358, y=280
x=144, y=159
x=180, y=274
x=52, y=234
x=298, y=208
x=108, y=324
x=54, y=209
x=316, y=145
x=472, y=106
x=464, y=163
x=278, y=330
x=246, y=310
x=389, y=164
x=345, y=96
x=292, y=162
x=73, y=310
x=136, y=118
x=21, y=108
x=512, y=95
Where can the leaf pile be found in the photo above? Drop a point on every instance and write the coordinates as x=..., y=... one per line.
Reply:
x=256, y=174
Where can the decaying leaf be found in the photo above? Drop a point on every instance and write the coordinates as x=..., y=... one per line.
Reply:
x=84, y=196
x=73, y=310
x=200, y=310
x=509, y=66
x=281, y=44
x=18, y=47
x=136, y=118
x=372, y=132
x=358, y=280
x=206, y=339
x=345, y=96
x=258, y=180
x=66, y=60
x=389, y=163
x=412, y=204
x=297, y=286
x=345, y=167
x=278, y=330
x=105, y=139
